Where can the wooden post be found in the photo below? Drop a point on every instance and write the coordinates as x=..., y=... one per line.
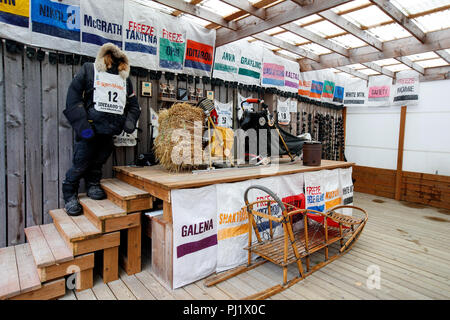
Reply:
x=85, y=279
x=401, y=140
x=110, y=264
x=132, y=261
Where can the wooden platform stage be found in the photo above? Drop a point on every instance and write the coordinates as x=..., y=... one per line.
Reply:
x=408, y=242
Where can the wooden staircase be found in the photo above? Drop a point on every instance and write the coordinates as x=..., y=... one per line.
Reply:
x=36, y=270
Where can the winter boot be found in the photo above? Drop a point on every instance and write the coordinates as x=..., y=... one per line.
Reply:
x=95, y=192
x=70, y=194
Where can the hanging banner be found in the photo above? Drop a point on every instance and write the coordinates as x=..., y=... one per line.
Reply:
x=232, y=219
x=316, y=86
x=283, y=109
x=56, y=25
x=225, y=63
x=199, y=50
x=141, y=27
x=314, y=191
x=14, y=20
x=355, y=92
x=224, y=113
x=194, y=214
x=338, y=97
x=406, y=88
x=346, y=186
x=328, y=85
x=291, y=76
x=291, y=192
x=249, y=63
x=305, y=82
x=331, y=184
x=379, y=91
x=101, y=23
x=273, y=70
x=172, y=44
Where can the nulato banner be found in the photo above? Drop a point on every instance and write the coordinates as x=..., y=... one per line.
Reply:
x=331, y=183
x=172, y=44
x=291, y=76
x=249, y=63
x=406, y=88
x=225, y=63
x=232, y=222
x=338, y=97
x=283, y=109
x=225, y=114
x=194, y=213
x=355, y=92
x=56, y=25
x=199, y=50
x=305, y=82
x=273, y=70
x=140, y=34
x=316, y=86
x=346, y=187
x=101, y=22
x=315, y=190
x=14, y=19
x=329, y=83
x=379, y=91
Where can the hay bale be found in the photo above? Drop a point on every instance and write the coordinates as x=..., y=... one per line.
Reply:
x=174, y=146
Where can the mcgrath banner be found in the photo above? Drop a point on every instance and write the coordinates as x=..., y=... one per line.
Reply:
x=101, y=23
x=56, y=25
x=315, y=190
x=194, y=213
x=225, y=114
x=14, y=19
x=199, y=50
x=249, y=63
x=172, y=44
x=331, y=183
x=355, y=92
x=291, y=76
x=273, y=70
x=305, y=82
x=406, y=88
x=346, y=186
x=232, y=221
x=141, y=27
x=379, y=91
x=225, y=63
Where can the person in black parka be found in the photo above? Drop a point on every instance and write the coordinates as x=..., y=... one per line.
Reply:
x=94, y=129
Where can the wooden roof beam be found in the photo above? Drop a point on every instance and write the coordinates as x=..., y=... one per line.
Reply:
x=286, y=46
x=353, y=72
x=343, y=23
x=411, y=64
x=247, y=6
x=392, y=11
x=198, y=12
x=380, y=69
x=278, y=15
x=311, y=36
x=444, y=55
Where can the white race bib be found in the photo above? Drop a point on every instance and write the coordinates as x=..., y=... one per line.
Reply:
x=110, y=92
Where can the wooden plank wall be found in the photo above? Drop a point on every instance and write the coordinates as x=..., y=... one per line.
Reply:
x=428, y=189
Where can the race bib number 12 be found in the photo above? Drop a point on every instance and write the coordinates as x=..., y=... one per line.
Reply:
x=110, y=93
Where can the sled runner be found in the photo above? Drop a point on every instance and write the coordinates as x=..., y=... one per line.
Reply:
x=305, y=234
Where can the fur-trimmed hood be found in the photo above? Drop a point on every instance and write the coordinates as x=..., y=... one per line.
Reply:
x=100, y=65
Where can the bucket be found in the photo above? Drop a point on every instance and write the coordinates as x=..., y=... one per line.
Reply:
x=312, y=153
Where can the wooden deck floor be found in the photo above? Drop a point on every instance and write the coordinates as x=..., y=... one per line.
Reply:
x=408, y=242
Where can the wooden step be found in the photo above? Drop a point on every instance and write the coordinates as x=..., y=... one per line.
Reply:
x=73, y=229
x=48, y=291
x=47, y=245
x=80, y=263
x=97, y=211
x=126, y=196
x=18, y=271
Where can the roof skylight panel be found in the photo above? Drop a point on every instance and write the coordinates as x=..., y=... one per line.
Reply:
x=308, y=19
x=348, y=41
x=409, y=7
x=398, y=67
x=289, y=54
x=196, y=20
x=291, y=38
x=157, y=6
x=274, y=30
x=369, y=72
x=367, y=17
x=219, y=7
x=389, y=32
x=315, y=48
x=422, y=56
x=350, y=5
x=435, y=21
x=432, y=63
x=324, y=28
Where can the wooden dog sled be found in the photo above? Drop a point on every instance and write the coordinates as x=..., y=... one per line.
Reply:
x=316, y=231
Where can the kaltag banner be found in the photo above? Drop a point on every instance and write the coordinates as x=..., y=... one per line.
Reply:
x=199, y=50
x=56, y=25
x=225, y=63
x=379, y=91
x=172, y=45
x=355, y=92
x=15, y=20
x=291, y=76
x=140, y=34
x=194, y=214
x=249, y=63
x=406, y=88
x=101, y=23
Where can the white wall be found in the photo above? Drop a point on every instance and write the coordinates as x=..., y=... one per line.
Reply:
x=372, y=133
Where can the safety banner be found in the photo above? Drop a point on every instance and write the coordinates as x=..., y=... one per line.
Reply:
x=406, y=88
x=140, y=36
x=249, y=63
x=101, y=23
x=14, y=19
x=225, y=62
x=331, y=183
x=56, y=25
x=273, y=70
x=355, y=92
x=194, y=214
x=199, y=50
x=379, y=91
x=291, y=76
